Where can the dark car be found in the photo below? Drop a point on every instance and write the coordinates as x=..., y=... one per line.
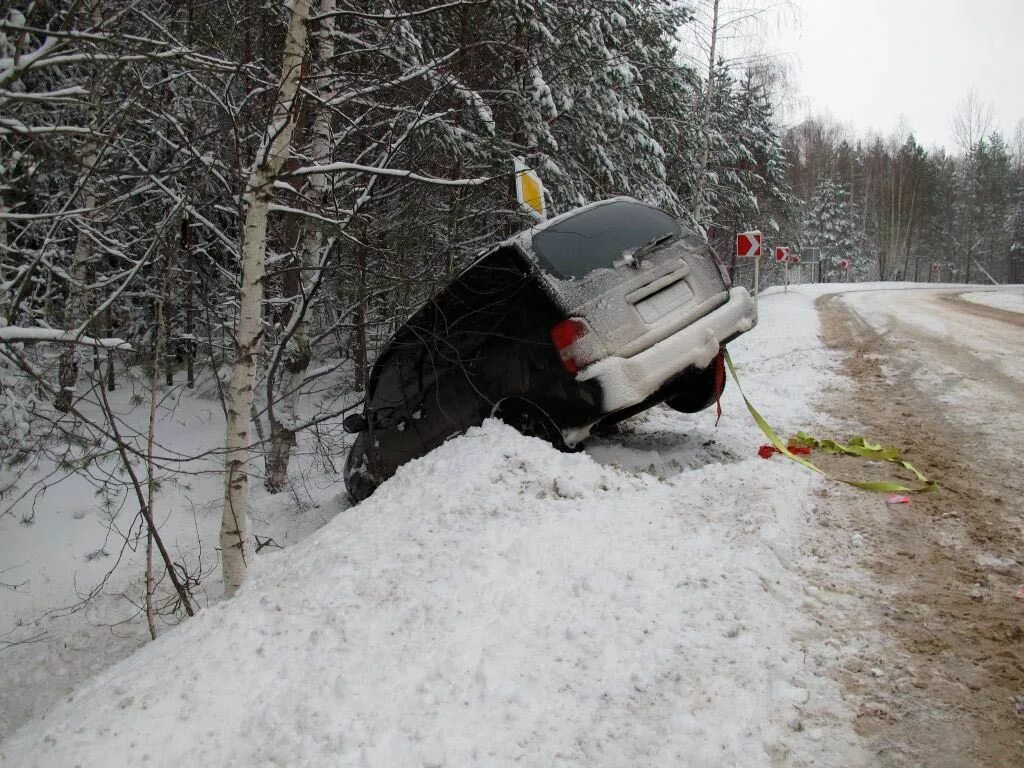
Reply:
x=570, y=326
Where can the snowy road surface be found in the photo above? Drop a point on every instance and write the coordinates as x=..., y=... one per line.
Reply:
x=1012, y=300
x=936, y=636
x=665, y=598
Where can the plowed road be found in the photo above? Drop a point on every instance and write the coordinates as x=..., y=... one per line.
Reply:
x=940, y=659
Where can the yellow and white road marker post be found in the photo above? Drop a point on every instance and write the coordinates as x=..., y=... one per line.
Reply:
x=530, y=190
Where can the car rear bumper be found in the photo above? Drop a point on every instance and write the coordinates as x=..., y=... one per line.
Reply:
x=626, y=382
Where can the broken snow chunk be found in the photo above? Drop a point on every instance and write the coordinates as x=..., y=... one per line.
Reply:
x=569, y=488
x=994, y=562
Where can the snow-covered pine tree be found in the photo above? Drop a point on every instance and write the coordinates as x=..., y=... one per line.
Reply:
x=830, y=226
x=1015, y=227
x=996, y=198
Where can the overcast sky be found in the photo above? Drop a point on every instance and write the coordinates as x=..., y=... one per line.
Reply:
x=868, y=62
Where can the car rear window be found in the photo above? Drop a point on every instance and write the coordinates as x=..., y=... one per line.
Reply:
x=596, y=238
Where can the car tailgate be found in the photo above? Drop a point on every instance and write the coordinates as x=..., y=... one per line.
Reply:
x=635, y=305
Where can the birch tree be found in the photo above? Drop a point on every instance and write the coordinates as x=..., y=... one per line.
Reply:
x=297, y=349
x=722, y=37
x=78, y=299
x=697, y=201
x=236, y=545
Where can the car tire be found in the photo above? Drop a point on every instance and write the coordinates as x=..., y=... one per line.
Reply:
x=531, y=420
x=358, y=483
x=701, y=390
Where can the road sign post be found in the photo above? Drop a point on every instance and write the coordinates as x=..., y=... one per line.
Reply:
x=748, y=246
x=782, y=254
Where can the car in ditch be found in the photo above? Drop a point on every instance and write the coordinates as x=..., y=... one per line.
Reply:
x=563, y=329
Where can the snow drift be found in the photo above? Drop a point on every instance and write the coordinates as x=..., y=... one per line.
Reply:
x=1010, y=300
x=496, y=602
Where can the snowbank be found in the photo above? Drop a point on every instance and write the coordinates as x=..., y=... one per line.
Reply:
x=497, y=602
x=1012, y=301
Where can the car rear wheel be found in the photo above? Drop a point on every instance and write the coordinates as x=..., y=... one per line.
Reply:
x=701, y=390
x=530, y=419
x=358, y=482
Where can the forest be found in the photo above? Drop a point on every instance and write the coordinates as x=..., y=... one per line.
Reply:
x=899, y=211
x=248, y=198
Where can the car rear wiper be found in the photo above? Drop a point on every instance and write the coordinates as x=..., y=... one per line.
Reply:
x=632, y=256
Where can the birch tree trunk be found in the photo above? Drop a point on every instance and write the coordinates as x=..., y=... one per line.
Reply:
x=299, y=352
x=78, y=297
x=236, y=545
x=697, y=202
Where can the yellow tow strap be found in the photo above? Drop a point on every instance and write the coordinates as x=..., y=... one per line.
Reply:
x=858, y=446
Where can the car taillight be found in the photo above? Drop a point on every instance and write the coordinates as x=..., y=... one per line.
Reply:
x=565, y=335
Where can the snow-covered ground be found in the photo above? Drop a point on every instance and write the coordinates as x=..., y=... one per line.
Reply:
x=63, y=542
x=498, y=602
x=1009, y=299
